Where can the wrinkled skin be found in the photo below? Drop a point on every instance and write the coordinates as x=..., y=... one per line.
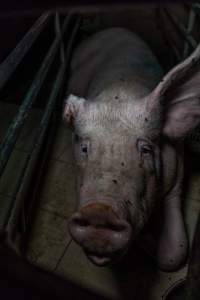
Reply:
x=129, y=127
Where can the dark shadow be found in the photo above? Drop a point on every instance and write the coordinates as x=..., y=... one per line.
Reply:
x=21, y=280
x=135, y=275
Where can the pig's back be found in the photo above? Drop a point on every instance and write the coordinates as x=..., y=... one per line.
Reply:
x=113, y=56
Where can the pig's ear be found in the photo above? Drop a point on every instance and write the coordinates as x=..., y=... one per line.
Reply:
x=72, y=106
x=179, y=96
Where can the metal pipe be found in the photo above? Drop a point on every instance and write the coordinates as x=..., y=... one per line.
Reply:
x=11, y=218
x=181, y=29
x=26, y=174
x=196, y=8
x=191, y=22
x=167, y=36
x=193, y=273
x=58, y=33
x=8, y=66
x=14, y=129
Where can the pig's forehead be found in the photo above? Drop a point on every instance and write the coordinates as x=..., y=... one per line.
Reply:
x=105, y=117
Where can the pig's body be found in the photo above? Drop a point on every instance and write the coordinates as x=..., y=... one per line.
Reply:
x=122, y=181
x=114, y=62
x=114, y=57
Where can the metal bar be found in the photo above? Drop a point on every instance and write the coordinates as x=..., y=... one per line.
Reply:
x=181, y=29
x=197, y=10
x=167, y=36
x=41, y=131
x=13, y=131
x=8, y=66
x=193, y=274
x=196, y=7
x=30, y=163
x=174, y=48
x=58, y=33
x=191, y=22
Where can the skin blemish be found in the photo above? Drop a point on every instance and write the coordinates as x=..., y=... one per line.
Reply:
x=122, y=164
x=115, y=181
x=116, y=97
x=146, y=120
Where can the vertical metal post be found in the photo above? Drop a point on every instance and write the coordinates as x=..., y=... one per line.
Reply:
x=58, y=34
x=190, y=26
x=180, y=28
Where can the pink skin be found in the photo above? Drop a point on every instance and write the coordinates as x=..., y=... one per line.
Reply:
x=98, y=226
x=129, y=147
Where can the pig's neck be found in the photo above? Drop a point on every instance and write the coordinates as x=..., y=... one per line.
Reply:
x=114, y=77
x=118, y=90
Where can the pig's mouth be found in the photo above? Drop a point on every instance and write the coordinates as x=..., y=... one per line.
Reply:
x=106, y=258
x=99, y=259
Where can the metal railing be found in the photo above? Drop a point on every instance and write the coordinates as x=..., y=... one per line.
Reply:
x=184, y=32
x=10, y=217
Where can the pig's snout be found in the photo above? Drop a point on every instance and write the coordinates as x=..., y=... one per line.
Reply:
x=101, y=231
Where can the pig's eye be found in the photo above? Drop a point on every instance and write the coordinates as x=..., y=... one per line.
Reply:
x=84, y=148
x=84, y=145
x=144, y=148
x=148, y=156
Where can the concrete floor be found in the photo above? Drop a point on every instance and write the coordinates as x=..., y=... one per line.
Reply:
x=50, y=246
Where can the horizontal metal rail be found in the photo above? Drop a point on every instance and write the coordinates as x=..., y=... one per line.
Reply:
x=8, y=66
x=20, y=191
x=14, y=129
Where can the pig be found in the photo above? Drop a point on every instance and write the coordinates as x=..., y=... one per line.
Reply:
x=129, y=124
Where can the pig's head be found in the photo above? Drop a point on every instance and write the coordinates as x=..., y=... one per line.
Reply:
x=117, y=149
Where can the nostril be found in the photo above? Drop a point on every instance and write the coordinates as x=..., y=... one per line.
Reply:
x=97, y=216
x=100, y=232
x=115, y=181
x=81, y=222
